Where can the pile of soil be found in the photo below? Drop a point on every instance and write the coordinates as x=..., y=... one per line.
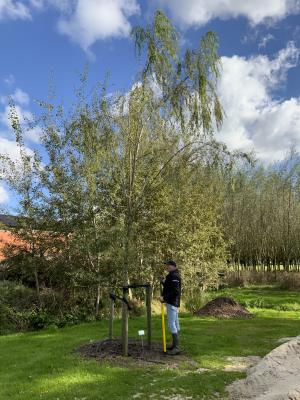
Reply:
x=223, y=307
x=111, y=350
x=275, y=377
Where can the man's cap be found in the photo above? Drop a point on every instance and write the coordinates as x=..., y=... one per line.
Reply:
x=170, y=262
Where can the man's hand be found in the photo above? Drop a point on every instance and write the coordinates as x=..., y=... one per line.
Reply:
x=161, y=299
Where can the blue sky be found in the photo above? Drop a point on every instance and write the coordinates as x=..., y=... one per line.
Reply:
x=259, y=45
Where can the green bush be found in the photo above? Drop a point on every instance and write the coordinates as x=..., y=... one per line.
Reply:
x=16, y=304
x=289, y=280
x=40, y=319
x=20, y=309
x=137, y=308
x=234, y=279
x=17, y=296
x=196, y=299
x=5, y=319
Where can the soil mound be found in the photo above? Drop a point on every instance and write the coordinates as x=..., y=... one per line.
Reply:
x=111, y=350
x=275, y=377
x=223, y=307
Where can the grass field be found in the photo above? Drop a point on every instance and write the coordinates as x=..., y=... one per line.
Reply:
x=269, y=297
x=43, y=365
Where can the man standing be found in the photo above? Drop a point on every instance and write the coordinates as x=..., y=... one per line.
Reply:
x=171, y=296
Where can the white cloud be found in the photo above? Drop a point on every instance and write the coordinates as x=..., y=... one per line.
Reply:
x=33, y=134
x=4, y=196
x=23, y=115
x=26, y=119
x=9, y=80
x=255, y=120
x=20, y=97
x=92, y=20
x=265, y=40
x=84, y=21
x=23, y=9
x=10, y=9
x=63, y=5
x=199, y=12
x=10, y=148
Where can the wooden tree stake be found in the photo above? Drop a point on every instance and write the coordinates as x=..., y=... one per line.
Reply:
x=148, y=305
x=111, y=318
x=125, y=326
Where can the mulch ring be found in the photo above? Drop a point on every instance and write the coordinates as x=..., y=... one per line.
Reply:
x=223, y=307
x=111, y=350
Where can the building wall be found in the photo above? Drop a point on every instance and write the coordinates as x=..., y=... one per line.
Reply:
x=7, y=238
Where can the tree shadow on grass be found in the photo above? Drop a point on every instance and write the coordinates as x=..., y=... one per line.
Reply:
x=76, y=379
x=114, y=384
x=43, y=365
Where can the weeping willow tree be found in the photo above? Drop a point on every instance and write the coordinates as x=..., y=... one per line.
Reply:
x=173, y=107
x=115, y=183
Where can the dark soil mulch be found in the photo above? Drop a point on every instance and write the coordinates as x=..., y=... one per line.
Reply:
x=111, y=350
x=223, y=307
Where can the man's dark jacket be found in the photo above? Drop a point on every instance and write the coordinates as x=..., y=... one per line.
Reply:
x=172, y=288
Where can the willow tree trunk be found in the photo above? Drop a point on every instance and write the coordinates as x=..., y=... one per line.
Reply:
x=127, y=248
x=98, y=299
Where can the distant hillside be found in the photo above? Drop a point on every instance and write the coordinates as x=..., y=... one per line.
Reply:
x=7, y=220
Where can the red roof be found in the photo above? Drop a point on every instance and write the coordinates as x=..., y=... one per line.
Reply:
x=6, y=239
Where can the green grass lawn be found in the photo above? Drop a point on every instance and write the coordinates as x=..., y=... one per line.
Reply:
x=43, y=365
x=265, y=297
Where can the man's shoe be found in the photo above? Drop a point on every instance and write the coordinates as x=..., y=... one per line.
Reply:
x=171, y=346
x=175, y=350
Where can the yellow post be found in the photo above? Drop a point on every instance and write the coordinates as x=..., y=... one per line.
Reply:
x=163, y=326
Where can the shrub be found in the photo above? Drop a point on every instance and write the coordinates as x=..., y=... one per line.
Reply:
x=138, y=307
x=20, y=309
x=16, y=304
x=196, y=299
x=284, y=280
x=289, y=280
x=245, y=278
x=17, y=296
x=40, y=319
x=234, y=279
